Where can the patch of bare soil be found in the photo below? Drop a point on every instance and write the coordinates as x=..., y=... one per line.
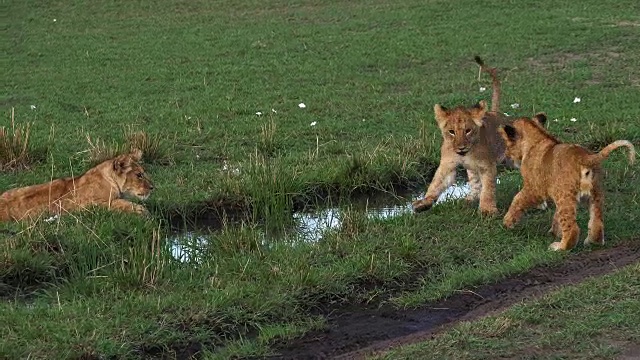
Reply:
x=631, y=352
x=357, y=331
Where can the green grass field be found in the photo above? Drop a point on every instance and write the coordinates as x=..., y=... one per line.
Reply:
x=194, y=74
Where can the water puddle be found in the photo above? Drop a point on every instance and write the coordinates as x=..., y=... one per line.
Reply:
x=312, y=226
x=188, y=247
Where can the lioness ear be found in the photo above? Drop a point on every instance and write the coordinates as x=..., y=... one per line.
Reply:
x=510, y=132
x=540, y=118
x=136, y=155
x=441, y=114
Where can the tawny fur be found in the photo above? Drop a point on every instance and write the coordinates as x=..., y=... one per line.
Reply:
x=564, y=173
x=104, y=185
x=470, y=139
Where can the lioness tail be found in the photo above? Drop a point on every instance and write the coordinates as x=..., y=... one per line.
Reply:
x=604, y=153
x=495, y=97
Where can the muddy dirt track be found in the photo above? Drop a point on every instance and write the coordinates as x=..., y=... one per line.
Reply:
x=358, y=331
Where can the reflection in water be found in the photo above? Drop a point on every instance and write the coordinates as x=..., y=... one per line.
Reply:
x=188, y=247
x=312, y=226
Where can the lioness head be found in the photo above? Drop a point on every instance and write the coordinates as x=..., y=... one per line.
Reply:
x=132, y=176
x=461, y=126
x=514, y=135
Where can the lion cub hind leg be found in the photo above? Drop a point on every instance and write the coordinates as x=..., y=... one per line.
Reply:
x=566, y=209
x=443, y=178
x=488, y=191
x=596, y=224
x=555, y=225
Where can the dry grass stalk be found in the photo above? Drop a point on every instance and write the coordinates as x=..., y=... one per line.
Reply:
x=152, y=147
x=14, y=146
x=99, y=151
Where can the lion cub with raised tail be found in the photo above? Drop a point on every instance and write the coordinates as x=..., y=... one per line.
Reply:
x=470, y=139
x=105, y=185
x=564, y=173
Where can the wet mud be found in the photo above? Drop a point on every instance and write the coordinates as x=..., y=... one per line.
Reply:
x=356, y=331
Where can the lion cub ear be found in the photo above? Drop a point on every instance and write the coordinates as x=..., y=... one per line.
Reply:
x=441, y=113
x=479, y=111
x=509, y=133
x=540, y=118
x=122, y=163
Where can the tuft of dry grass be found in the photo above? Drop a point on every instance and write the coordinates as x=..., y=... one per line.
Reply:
x=152, y=147
x=14, y=146
x=100, y=151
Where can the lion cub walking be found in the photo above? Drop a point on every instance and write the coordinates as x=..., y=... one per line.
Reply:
x=104, y=185
x=561, y=172
x=470, y=139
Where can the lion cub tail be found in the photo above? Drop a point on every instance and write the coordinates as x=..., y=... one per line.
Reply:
x=495, y=97
x=604, y=153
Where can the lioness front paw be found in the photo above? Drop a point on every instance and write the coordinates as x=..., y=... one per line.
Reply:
x=422, y=205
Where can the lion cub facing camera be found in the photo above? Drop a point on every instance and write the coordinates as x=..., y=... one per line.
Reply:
x=470, y=139
x=561, y=172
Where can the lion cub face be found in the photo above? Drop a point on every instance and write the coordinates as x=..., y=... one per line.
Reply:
x=136, y=183
x=461, y=126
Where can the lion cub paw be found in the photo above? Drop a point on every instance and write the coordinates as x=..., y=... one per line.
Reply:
x=556, y=246
x=508, y=222
x=141, y=210
x=589, y=241
x=422, y=205
x=489, y=211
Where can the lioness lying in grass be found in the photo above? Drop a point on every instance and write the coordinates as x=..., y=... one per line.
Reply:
x=104, y=185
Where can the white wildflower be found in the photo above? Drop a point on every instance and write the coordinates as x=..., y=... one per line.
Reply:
x=302, y=105
x=482, y=88
x=573, y=119
x=33, y=107
x=515, y=106
x=556, y=120
x=576, y=100
x=259, y=113
x=313, y=123
x=274, y=111
x=54, y=20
